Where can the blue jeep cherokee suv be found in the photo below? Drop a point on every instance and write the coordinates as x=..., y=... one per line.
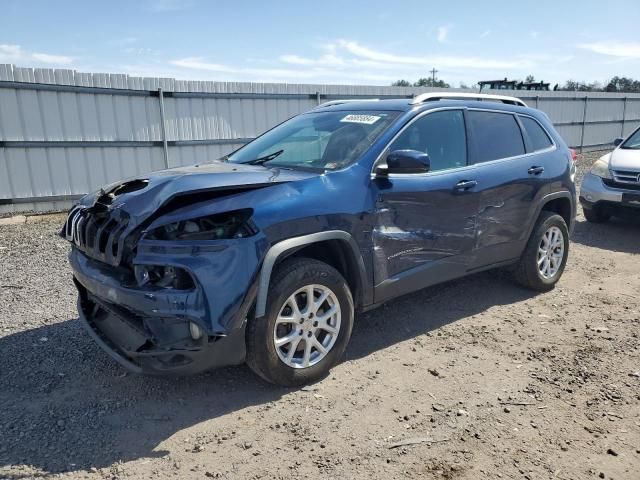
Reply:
x=265, y=255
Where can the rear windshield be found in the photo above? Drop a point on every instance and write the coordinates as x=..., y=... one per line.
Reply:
x=317, y=140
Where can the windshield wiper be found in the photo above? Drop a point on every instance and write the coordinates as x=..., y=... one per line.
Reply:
x=266, y=158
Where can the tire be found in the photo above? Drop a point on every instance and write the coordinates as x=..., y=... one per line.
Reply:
x=292, y=279
x=595, y=215
x=527, y=272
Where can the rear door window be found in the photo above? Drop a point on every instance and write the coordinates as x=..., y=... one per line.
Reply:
x=496, y=135
x=537, y=136
x=441, y=135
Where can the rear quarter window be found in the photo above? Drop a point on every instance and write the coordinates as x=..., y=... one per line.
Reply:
x=495, y=135
x=537, y=135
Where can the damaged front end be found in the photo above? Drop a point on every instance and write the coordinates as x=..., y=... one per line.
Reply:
x=158, y=314
x=166, y=290
x=147, y=344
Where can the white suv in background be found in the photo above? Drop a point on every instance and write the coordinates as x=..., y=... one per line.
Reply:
x=612, y=186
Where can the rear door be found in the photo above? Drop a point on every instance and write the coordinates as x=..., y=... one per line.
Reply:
x=425, y=226
x=511, y=180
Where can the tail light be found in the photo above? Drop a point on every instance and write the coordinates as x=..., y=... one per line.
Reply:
x=574, y=155
x=574, y=161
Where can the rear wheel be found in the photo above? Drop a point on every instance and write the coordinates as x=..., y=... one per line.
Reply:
x=545, y=256
x=595, y=215
x=307, y=325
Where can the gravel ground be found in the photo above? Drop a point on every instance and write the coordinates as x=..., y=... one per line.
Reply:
x=491, y=380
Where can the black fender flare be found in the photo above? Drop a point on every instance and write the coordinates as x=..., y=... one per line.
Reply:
x=280, y=248
x=553, y=196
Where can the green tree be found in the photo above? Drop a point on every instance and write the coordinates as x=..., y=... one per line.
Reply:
x=530, y=79
x=574, y=86
x=623, y=84
x=429, y=82
x=401, y=83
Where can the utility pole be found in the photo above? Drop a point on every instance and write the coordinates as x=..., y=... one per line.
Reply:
x=433, y=75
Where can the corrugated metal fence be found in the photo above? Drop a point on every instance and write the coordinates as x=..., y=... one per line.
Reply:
x=64, y=133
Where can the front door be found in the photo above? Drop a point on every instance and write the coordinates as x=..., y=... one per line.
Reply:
x=425, y=223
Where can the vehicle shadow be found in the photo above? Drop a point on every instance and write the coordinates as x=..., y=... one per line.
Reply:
x=67, y=406
x=619, y=235
x=429, y=309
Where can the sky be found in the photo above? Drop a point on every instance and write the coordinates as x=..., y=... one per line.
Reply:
x=326, y=41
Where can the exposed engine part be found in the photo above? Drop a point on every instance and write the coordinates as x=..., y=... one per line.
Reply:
x=228, y=225
x=163, y=277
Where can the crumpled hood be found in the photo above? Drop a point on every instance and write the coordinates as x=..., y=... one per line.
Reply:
x=141, y=196
x=625, y=159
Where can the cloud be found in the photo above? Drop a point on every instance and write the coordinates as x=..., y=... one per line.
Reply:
x=486, y=33
x=141, y=51
x=197, y=68
x=443, y=31
x=10, y=50
x=348, y=61
x=199, y=63
x=325, y=60
x=613, y=49
x=16, y=54
x=443, y=61
x=52, y=59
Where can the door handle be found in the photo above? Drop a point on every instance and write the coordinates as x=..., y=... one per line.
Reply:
x=535, y=170
x=466, y=184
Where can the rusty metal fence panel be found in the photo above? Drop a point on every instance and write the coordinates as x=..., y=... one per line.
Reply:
x=65, y=133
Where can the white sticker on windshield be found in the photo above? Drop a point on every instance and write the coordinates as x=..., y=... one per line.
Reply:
x=368, y=119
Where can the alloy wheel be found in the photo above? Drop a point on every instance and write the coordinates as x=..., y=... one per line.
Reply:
x=307, y=326
x=550, y=252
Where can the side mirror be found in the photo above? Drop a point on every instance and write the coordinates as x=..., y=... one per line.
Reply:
x=407, y=161
x=617, y=141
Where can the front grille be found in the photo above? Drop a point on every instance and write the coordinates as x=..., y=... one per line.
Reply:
x=624, y=179
x=97, y=233
x=621, y=186
x=626, y=176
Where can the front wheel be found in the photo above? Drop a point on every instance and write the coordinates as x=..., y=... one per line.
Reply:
x=306, y=327
x=545, y=256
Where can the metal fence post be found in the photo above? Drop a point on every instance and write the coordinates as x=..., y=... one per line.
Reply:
x=537, y=101
x=163, y=128
x=584, y=121
x=318, y=97
x=624, y=114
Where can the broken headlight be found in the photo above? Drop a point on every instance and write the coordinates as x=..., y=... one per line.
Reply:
x=220, y=226
x=159, y=276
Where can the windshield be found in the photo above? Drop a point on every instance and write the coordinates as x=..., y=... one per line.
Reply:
x=633, y=142
x=321, y=140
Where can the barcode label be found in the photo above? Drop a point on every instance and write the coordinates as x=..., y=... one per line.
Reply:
x=368, y=119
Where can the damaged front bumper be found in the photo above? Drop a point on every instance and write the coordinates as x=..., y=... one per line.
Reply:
x=140, y=352
x=162, y=330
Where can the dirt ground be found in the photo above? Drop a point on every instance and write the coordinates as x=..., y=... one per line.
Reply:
x=494, y=381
